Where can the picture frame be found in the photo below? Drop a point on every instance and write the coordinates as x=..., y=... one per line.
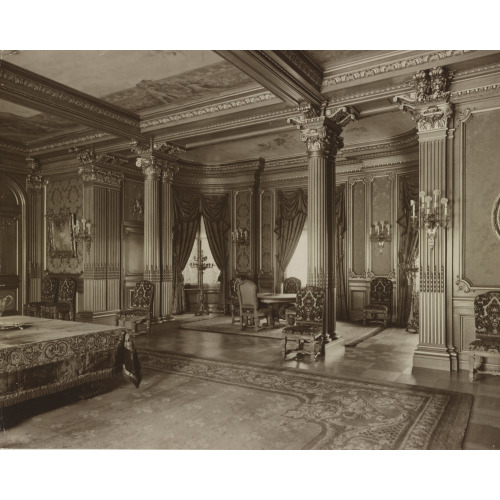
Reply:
x=60, y=235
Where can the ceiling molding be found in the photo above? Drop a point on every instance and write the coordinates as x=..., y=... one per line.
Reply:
x=33, y=91
x=408, y=63
x=290, y=75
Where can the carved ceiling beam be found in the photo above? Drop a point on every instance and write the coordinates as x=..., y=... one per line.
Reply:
x=33, y=91
x=289, y=74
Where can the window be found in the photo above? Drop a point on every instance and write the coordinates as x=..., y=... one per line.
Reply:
x=210, y=275
x=297, y=267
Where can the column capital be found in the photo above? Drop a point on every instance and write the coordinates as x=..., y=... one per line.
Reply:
x=321, y=130
x=35, y=180
x=168, y=172
x=157, y=159
x=428, y=103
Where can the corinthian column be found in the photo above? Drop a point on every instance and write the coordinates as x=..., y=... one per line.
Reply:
x=429, y=106
x=35, y=186
x=158, y=165
x=321, y=134
x=167, y=224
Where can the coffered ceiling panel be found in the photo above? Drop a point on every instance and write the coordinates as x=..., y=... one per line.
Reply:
x=23, y=125
x=138, y=80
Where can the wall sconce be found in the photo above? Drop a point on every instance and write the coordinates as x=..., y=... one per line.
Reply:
x=380, y=232
x=81, y=232
x=241, y=237
x=433, y=213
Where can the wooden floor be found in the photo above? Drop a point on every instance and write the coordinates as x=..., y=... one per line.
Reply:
x=388, y=356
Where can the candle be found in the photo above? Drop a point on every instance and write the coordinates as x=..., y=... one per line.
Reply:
x=412, y=202
x=444, y=201
x=388, y=229
x=371, y=228
x=88, y=227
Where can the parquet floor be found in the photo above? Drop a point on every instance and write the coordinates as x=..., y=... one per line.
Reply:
x=388, y=356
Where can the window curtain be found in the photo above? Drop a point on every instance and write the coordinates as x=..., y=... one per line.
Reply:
x=216, y=213
x=186, y=227
x=408, y=246
x=342, y=312
x=290, y=218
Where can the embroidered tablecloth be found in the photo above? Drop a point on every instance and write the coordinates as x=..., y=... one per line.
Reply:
x=49, y=355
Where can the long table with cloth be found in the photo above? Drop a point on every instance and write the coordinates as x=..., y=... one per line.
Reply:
x=41, y=356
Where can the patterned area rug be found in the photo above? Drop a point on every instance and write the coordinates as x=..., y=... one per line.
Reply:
x=186, y=402
x=352, y=333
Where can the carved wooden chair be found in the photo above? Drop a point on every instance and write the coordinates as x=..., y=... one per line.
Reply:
x=234, y=301
x=138, y=316
x=487, y=342
x=64, y=308
x=308, y=328
x=249, y=305
x=287, y=311
x=48, y=298
x=379, y=309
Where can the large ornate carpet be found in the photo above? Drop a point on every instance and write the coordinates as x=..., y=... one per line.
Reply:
x=352, y=333
x=192, y=403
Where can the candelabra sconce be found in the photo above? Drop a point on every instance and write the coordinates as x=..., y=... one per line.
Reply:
x=241, y=237
x=81, y=232
x=433, y=214
x=380, y=232
x=201, y=264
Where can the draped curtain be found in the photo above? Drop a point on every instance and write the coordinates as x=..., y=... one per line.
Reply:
x=188, y=209
x=408, y=247
x=290, y=218
x=216, y=212
x=341, y=222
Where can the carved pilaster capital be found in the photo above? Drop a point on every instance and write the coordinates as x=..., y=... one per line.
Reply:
x=35, y=180
x=321, y=132
x=150, y=166
x=88, y=156
x=168, y=172
x=428, y=103
x=157, y=159
x=92, y=173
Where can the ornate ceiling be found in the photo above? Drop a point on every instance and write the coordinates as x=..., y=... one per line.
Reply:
x=224, y=106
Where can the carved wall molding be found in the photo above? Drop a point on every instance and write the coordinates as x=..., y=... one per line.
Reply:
x=464, y=116
x=92, y=173
x=365, y=179
x=409, y=138
x=209, y=109
x=463, y=284
x=64, y=143
x=495, y=217
x=364, y=275
x=400, y=64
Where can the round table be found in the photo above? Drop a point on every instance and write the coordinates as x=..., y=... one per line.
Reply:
x=273, y=299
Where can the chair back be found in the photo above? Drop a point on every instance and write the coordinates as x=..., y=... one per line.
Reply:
x=247, y=294
x=381, y=292
x=310, y=305
x=292, y=285
x=66, y=291
x=49, y=290
x=487, y=315
x=142, y=298
x=233, y=289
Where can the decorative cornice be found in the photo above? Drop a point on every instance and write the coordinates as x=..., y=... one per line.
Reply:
x=64, y=143
x=392, y=66
x=461, y=95
x=11, y=146
x=209, y=109
x=88, y=156
x=92, y=173
x=35, y=180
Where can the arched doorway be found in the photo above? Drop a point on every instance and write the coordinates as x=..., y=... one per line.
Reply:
x=12, y=247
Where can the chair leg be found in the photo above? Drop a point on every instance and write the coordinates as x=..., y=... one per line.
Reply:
x=283, y=347
x=256, y=322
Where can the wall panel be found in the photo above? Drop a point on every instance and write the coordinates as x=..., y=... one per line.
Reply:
x=358, y=228
x=381, y=209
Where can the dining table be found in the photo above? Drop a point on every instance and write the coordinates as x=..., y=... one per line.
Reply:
x=275, y=301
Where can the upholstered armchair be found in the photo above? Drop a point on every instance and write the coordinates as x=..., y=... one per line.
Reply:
x=307, y=331
x=379, y=309
x=48, y=298
x=287, y=311
x=138, y=316
x=249, y=305
x=487, y=342
x=64, y=308
x=234, y=301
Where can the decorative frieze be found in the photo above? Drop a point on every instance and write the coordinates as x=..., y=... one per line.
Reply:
x=466, y=94
x=100, y=175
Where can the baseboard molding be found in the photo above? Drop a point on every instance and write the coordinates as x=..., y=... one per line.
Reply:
x=433, y=358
